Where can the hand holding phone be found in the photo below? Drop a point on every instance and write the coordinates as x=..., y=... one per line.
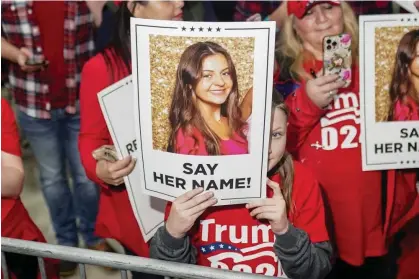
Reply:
x=27, y=63
x=337, y=57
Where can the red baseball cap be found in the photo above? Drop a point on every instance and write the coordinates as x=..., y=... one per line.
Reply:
x=299, y=8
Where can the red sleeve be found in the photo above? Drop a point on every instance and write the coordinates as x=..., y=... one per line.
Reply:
x=304, y=115
x=10, y=142
x=309, y=214
x=93, y=130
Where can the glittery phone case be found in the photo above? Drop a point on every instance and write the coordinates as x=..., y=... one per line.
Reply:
x=337, y=57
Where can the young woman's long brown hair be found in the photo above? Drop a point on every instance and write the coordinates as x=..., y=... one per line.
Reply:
x=401, y=85
x=183, y=112
x=285, y=167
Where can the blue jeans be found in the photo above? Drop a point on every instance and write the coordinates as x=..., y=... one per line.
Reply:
x=54, y=143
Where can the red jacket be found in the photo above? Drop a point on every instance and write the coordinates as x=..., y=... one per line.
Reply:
x=115, y=218
x=328, y=142
x=15, y=220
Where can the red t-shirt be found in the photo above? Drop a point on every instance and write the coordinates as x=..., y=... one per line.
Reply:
x=229, y=238
x=327, y=141
x=50, y=19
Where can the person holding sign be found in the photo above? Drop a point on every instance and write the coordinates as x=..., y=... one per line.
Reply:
x=205, y=115
x=283, y=235
x=115, y=218
x=404, y=94
x=324, y=131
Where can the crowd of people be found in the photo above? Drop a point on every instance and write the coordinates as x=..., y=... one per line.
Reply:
x=324, y=217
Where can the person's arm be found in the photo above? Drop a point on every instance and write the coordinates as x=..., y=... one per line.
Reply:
x=93, y=129
x=300, y=258
x=12, y=175
x=10, y=52
x=163, y=246
x=171, y=241
x=304, y=116
x=307, y=105
x=12, y=172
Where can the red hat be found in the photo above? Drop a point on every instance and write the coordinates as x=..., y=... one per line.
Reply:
x=299, y=8
x=118, y=2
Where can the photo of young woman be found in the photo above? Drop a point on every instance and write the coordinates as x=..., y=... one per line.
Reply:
x=205, y=116
x=404, y=87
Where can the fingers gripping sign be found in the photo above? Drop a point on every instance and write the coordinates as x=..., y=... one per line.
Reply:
x=272, y=209
x=111, y=170
x=186, y=209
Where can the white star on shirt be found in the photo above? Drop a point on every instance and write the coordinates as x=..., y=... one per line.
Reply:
x=212, y=247
x=203, y=249
x=221, y=246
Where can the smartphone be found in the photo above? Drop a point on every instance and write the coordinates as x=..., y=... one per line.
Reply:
x=337, y=57
x=36, y=62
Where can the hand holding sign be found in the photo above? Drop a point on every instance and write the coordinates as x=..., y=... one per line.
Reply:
x=273, y=209
x=322, y=89
x=186, y=209
x=113, y=173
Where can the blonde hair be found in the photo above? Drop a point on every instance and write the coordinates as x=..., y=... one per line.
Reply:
x=286, y=165
x=290, y=52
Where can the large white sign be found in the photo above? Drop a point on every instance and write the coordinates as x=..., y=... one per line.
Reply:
x=116, y=104
x=390, y=129
x=189, y=79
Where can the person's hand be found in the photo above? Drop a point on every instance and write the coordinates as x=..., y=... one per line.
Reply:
x=186, y=209
x=113, y=173
x=321, y=90
x=23, y=56
x=272, y=209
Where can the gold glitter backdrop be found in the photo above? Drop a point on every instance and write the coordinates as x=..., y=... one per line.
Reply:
x=386, y=42
x=165, y=52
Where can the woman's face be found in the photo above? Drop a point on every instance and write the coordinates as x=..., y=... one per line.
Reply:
x=215, y=83
x=162, y=10
x=414, y=67
x=321, y=20
x=278, y=138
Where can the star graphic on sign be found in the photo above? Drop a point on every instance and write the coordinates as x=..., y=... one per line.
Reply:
x=209, y=29
x=218, y=29
x=192, y=28
x=221, y=246
x=183, y=28
x=201, y=29
x=212, y=248
x=229, y=247
x=203, y=249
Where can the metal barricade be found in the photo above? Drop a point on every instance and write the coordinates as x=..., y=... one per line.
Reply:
x=124, y=263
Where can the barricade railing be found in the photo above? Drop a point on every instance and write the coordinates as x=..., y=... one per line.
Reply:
x=124, y=263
